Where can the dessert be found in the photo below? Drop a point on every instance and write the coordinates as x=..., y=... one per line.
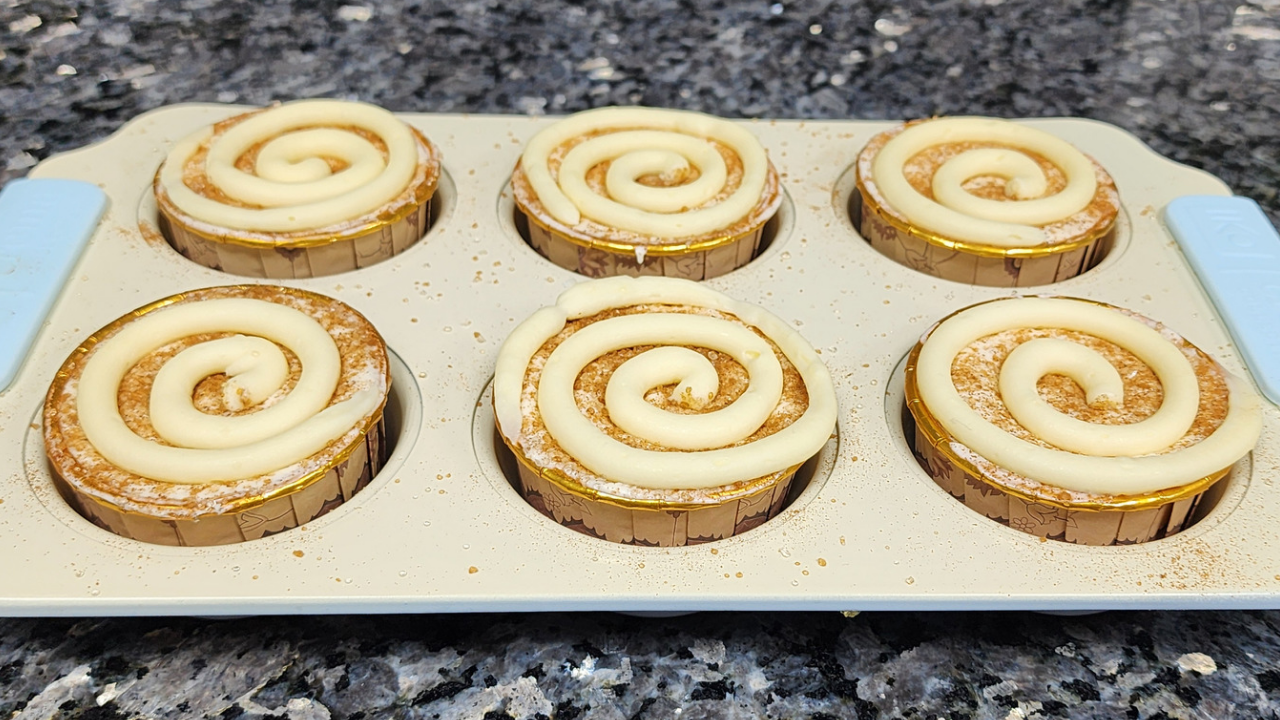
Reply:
x=656, y=411
x=984, y=201
x=303, y=189
x=643, y=191
x=1074, y=420
x=219, y=415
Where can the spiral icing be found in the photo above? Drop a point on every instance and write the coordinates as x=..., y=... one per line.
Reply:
x=1113, y=459
x=699, y=455
x=954, y=212
x=293, y=185
x=203, y=448
x=646, y=142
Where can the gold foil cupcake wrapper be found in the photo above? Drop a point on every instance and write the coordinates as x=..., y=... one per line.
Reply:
x=699, y=259
x=287, y=262
x=975, y=264
x=979, y=248
x=1078, y=523
x=656, y=249
x=689, y=262
x=315, y=253
x=255, y=517
x=650, y=522
x=308, y=496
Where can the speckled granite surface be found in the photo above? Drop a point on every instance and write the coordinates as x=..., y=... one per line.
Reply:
x=1199, y=82
x=815, y=666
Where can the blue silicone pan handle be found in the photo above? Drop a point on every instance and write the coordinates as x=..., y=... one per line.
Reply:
x=1235, y=251
x=44, y=226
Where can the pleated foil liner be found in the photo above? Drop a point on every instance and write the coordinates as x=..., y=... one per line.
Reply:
x=307, y=499
x=1110, y=520
x=650, y=523
x=310, y=253
x=974, y=264
x=700, y=261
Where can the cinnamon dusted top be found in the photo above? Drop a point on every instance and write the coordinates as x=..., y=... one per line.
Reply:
x=364, y=367
x=538, y=445
x=975, y=374
x=588, y=229
x=1060, y=393
x=1094, y=220
x=188, y=194
x=193, y=170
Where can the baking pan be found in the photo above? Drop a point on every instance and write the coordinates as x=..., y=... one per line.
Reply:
x=441, y=528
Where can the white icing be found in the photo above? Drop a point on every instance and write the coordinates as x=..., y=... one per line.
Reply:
x=624, y=395
x=957, y=214
x=292, y=186
x=205, y=448
x=255, y=368
x=646, y=141
x=696, y=467
x=1103, y=459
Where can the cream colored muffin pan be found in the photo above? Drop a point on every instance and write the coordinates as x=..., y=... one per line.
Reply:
x=442, y=530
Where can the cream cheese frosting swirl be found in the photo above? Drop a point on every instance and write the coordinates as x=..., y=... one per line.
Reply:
x=203, y=448
x=699, y=456
x=292, y=185
x=640, y=142
x=955, y=213
x=1126, y=459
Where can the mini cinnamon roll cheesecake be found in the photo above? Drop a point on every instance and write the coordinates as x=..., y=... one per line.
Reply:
x=643, y=191
x=656, y=411
x=219, y=415
x=984, y=201
x=302, y=189
x=1075, y=420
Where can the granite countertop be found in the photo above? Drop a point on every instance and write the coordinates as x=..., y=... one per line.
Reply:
x=1199, y=82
